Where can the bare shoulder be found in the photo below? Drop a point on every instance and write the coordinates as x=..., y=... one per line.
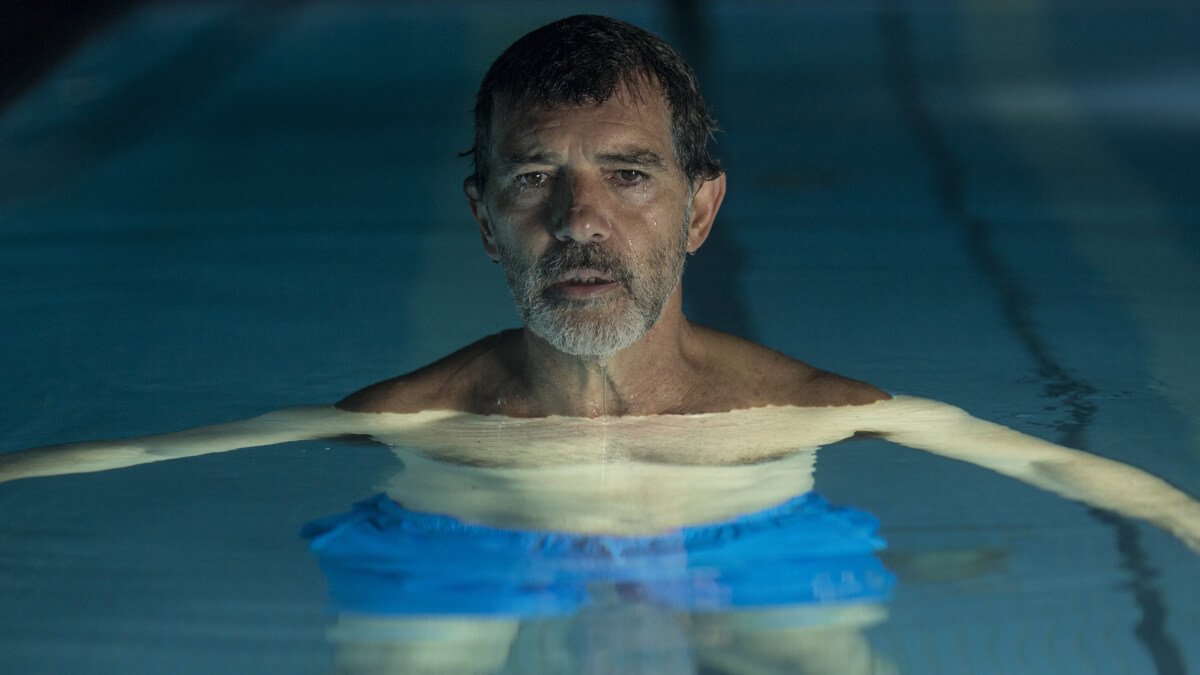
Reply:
x=763, y=376
x=824, y=388
x=441, y=385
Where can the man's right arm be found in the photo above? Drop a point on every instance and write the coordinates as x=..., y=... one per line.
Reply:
x=280, y=426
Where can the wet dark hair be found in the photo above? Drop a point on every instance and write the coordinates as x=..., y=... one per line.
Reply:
x=585, y=60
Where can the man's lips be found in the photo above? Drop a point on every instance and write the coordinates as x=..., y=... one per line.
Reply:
x=583, y=282
x=584, y=275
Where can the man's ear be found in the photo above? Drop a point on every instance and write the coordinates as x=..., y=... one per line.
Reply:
x=479, y=211
x=705, y=204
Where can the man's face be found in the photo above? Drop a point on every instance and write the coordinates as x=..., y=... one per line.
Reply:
x=589, y=212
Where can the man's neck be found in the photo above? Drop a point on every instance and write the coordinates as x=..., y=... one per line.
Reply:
x=648, y=377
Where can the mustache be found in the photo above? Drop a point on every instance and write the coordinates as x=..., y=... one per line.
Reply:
x=561, y=259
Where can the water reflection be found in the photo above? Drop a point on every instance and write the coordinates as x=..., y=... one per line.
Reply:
x=656, y=545
x=632, y=544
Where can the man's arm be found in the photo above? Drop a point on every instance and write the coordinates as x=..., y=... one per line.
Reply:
x=950, y=432
x=281, y=426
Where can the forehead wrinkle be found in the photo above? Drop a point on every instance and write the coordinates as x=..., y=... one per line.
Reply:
x=638, y=135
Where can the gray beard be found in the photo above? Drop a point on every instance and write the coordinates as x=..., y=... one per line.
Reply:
x=593, y=328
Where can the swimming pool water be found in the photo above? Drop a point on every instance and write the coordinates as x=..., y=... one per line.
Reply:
x=213, y=210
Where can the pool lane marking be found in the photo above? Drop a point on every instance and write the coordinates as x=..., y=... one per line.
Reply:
x=1016, y=33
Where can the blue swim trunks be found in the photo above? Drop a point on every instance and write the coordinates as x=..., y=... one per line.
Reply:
x=381, y=558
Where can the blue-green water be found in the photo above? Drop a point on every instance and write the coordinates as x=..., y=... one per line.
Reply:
x=210, y=210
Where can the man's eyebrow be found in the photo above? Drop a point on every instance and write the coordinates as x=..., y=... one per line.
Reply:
x=511, y=162
x=628, y=156
x=634, y=156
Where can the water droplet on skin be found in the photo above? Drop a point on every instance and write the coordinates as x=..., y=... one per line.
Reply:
x=604, y=423
x=604, y=392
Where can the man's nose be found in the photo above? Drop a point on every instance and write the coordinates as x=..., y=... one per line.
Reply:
x=582, y=215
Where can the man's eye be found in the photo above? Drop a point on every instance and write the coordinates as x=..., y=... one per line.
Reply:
x=532, y=179
x=629, y=176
